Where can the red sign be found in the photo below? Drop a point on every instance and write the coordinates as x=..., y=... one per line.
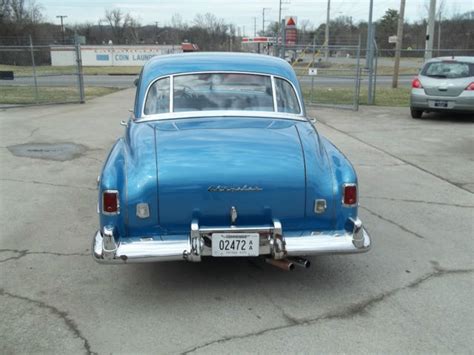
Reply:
x=290, y=29
x=291, y=36
x=258, y=40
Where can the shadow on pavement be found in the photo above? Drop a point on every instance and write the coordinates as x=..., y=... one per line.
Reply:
x=449, y=116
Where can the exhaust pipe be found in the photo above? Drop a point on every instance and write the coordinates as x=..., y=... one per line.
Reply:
x=283, y=264
x=301, y=262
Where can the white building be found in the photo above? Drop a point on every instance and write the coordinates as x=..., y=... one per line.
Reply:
x=110, y=55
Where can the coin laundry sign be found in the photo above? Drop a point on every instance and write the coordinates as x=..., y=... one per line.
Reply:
x=111, y=55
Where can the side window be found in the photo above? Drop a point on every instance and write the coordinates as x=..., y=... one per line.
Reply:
x=286, y=97
x=158, y=98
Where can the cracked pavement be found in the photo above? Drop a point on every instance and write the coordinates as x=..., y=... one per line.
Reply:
x=411, y=293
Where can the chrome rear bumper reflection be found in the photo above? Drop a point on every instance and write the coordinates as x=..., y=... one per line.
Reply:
x=273, y=242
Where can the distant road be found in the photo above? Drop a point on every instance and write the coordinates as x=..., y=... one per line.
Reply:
x=125, y=81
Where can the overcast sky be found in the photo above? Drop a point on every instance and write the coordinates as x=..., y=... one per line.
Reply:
x=239, y=12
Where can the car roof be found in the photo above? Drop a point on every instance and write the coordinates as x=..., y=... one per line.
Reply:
x=216, y=61
x=466, y=59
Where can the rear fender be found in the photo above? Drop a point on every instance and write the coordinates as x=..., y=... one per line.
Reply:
x=342, y=173
x=113, y=178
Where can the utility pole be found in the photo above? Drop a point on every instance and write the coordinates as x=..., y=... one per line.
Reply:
x=430, y=30
x=328, y=16
x=255, y=27
x=439, y=32
x=368, y=54
x=263, y=19
x=279, y=16
x=398, y=47
x=62, y=25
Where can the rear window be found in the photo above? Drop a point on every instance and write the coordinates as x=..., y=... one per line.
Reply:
x=216, y=91
x=448, y=69
x=221, y=91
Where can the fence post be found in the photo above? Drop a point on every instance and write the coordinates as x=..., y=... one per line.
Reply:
x=80, y=76
x=34, y=69
x=375, y=71
x=370, y=55
x=357, y=81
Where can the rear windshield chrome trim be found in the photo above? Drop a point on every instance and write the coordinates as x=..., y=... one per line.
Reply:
x=221, y=113
x=170, y=115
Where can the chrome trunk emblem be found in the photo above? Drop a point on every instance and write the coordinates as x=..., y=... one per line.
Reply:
x=233, y=215
x=224, y=188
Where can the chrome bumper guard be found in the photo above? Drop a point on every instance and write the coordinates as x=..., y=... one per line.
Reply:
x=272, y=242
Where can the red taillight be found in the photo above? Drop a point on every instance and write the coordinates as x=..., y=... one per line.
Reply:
x=470, y=87
x=350, y=195
x=416, y=83
x=110, y=202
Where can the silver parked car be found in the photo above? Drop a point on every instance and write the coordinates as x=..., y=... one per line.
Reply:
x=444, y=84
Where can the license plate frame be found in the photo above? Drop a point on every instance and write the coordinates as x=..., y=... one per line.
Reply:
x=440, y=103
x=235, y=244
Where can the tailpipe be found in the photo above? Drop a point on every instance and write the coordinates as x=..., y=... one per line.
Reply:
x=301, y=262
x=283, y=264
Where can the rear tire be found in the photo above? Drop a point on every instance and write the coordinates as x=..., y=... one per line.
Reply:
x=416, y=113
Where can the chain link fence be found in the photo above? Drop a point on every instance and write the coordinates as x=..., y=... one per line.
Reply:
x=341, y=76
x=28, y=78
x=328, y=75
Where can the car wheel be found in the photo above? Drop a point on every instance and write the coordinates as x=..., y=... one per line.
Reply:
x=415, y=113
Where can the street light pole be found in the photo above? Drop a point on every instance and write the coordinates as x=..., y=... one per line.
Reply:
x=62, y=24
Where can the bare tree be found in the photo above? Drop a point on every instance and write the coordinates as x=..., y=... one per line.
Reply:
x=124, y=27
x=177, y=22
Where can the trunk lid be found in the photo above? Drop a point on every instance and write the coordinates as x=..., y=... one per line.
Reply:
x=206, y=167
x=444, y=87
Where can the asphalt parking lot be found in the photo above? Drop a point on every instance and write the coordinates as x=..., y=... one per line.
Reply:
x=411, y=293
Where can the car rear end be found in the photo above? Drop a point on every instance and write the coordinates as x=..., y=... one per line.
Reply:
x=444, y=85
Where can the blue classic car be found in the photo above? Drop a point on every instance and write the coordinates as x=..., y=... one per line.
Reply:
x=219, y=160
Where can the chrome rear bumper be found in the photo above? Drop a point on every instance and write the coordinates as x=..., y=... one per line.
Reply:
x=272, y=242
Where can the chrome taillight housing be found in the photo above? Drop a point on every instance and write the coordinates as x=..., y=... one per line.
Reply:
x=110, y=202
x=349, y=195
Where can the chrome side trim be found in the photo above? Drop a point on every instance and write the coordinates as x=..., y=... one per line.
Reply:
x=192, y=248
x=221, y=113
x=171, y=94
x=275, y=103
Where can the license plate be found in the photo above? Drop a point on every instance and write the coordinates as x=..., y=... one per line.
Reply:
x=440, y=103
x=235, y=244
